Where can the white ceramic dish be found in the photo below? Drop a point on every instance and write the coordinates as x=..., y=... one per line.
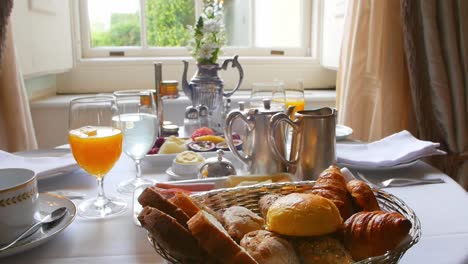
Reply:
x=343, y=132
x=175, y=176
x=47, y=203
x=57, y=152
x=374, y=168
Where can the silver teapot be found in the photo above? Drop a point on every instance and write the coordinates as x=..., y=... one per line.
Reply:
x=257, y=155
x=205, y=87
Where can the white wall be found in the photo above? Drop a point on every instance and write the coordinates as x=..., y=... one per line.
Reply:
x=42, y=35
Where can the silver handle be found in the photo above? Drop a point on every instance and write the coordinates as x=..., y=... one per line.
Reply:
x=274, y=122
x=232, y=116
x=400, y=182
x=235, y=64
x=33, y=227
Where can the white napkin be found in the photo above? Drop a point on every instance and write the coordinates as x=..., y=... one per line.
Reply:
x=42, y=166
x=399, y=148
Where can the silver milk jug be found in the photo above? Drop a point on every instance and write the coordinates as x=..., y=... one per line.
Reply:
x=256, y=154
x=312, y=143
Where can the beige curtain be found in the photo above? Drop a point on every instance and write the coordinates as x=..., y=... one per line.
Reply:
x=372, y=83
x=16, y=127
x=436, y=44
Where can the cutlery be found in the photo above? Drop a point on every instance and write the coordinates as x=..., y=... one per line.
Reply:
x=50, y=219
x=397, y=182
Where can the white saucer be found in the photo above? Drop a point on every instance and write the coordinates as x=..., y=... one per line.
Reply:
x=172, y=174
x=343, y=132
x=375, y=168
x=47, y=203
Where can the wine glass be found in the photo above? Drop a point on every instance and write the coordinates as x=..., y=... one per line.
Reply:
x=295, y=97
x=96, y=145
x=138, y=121
x=268, y=90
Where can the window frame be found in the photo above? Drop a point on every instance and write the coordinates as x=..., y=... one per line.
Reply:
x=145, y=51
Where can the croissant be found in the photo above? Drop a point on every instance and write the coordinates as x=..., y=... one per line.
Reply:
x=367, y=234
x=362, y=196
x=332, y=185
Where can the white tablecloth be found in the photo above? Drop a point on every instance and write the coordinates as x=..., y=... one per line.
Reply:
x=441, y=208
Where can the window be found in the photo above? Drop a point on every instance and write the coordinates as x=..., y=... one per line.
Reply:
x=137, y=28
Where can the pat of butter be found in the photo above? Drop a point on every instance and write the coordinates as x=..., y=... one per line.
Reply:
x=189, y=158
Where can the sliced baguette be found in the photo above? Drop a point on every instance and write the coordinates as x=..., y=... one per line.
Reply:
x=184, y=202
x=212, y=236
x=157, y=198
x=172, y=236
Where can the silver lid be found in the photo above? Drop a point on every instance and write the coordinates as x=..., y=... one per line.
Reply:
x=191, y=112
x=217, y=167
x=203, y=110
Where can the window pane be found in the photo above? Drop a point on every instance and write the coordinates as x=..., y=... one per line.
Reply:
x=278, y=23
x=237, y=22
x=114, y=23
x=166, y=22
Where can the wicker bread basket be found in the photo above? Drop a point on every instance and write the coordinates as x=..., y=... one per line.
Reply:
x=250, y=195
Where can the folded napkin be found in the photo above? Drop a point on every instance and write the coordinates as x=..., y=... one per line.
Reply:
x=399, y=148
x=42, y=166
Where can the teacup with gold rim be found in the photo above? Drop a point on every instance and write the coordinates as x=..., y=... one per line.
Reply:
x=18, y=202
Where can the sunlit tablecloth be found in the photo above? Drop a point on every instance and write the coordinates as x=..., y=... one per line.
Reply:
x=442, y=209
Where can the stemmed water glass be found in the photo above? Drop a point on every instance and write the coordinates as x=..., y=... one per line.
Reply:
x=138, y=121
x=96, y=144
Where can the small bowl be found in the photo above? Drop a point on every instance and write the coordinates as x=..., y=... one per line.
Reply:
x=185, y=169
x=202, y=146
x=224, y=145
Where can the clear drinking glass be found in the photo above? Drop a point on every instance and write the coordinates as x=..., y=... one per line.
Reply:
x=295, y=96
x=138, y=121
x=96, y=144
x=268, y=90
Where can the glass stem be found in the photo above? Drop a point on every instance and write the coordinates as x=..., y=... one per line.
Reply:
x=138, y=169
x=101, y=194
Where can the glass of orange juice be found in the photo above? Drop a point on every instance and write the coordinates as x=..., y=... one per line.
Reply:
x=295, y=97
x=96, y=144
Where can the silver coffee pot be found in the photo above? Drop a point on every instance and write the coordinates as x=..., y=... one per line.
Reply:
x=312, y=143
x=256, y=154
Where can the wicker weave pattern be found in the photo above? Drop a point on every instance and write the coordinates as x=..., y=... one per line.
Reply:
x=250, y=195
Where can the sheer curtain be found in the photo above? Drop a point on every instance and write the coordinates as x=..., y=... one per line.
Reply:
x=16, y=127
x=373, y=95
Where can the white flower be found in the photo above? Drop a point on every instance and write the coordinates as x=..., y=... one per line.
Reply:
x=211, y=26
x=206, y=50
x=209, y=10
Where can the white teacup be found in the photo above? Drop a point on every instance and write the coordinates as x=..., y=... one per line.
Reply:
x=18, y=202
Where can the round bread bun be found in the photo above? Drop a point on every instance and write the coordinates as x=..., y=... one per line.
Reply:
x=303, y=214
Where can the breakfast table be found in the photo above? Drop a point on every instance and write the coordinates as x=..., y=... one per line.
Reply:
x=441, y=208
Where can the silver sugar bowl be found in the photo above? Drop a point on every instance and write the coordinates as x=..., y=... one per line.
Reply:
x=217, y=167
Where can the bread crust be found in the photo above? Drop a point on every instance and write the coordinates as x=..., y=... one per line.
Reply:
x=239, y=221
x=184, y=202
x=158, y=198
x=214, y=239
x=265, y=202
x=172, y=236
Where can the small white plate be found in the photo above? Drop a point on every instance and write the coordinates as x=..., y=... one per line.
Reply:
x=47, y=203
x=374, y=168
x=343, y=132
x=172, y=174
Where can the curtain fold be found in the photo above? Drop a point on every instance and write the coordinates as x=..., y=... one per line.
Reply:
x=16, y=126
x=436, y=46
x=373, y=94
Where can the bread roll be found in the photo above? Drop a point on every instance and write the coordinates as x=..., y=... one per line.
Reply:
x=268, y=248
x=322, y=250
x=301, y=214
x=266, y=201
x=239, y=221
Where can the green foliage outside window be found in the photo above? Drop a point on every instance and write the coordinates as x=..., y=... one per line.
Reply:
x=166, y=25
